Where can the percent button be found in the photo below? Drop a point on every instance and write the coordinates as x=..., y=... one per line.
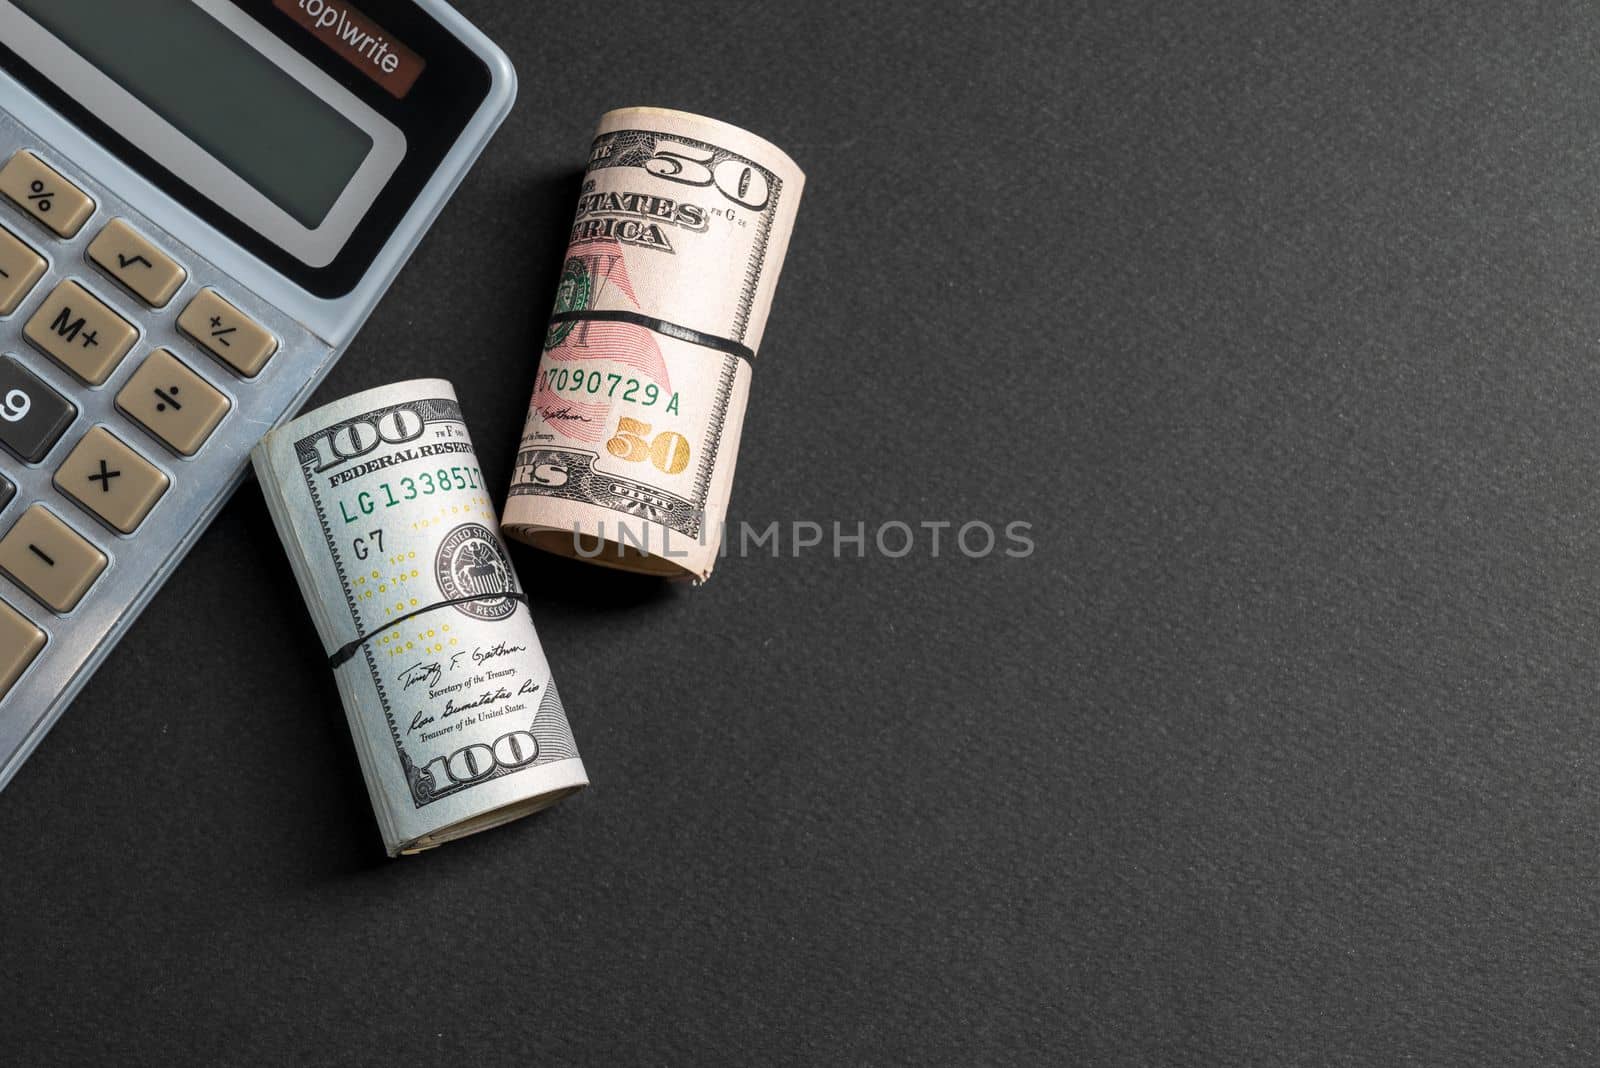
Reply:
x=41, y=192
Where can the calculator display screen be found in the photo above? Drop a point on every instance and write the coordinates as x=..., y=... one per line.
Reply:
x=287, y=142
x=236, y=120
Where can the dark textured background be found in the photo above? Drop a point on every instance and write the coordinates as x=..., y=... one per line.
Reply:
x=1277, y=321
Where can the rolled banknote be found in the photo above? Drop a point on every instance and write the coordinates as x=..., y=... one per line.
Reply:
x=628, y=451
x=392, y=537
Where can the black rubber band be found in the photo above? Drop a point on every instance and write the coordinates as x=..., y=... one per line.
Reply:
x=660, y=326
x=348, y=649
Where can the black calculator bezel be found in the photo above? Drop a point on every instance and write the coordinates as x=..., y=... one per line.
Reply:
x=433, y=115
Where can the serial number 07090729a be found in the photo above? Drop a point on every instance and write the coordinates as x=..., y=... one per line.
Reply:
x=606, y=384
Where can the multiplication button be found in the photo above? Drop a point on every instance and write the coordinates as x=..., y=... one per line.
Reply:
x=173, y=403
x=227, y=333
x=36, y=188
x=111, y=480
x=50, y=560
x=32, y=415
x=79, y=332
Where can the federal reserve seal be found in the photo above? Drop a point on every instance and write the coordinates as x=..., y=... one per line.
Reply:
x=571, y=295
x=472, y=564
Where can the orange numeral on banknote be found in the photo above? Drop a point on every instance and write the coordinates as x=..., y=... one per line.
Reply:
x=669, y=451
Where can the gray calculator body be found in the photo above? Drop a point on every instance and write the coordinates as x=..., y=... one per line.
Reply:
x=296, y=257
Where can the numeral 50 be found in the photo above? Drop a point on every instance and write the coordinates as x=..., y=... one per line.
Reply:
x=669, y=452
x=734, y=178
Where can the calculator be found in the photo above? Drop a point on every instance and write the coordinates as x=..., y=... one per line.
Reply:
x=200, y=203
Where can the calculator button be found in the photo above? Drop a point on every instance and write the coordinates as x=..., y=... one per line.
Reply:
x=81, y=333
x=124, y=254
x=32, y=415
x=173, y=403
x=228, y=333
x=111, y=480
x=20, y=642
x=20, y=269
x=8, y=490
x=50, y=560
x=38, y=190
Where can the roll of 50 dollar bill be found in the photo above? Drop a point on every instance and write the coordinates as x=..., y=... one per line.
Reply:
x=628, y=452
x=392, y=536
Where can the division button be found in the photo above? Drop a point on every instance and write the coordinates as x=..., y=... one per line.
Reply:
x=20, y=270
x=126, y=255
x=79, y=332
x=39, y=191
x=20, y=642
x=227, y=333
x=50, y=560
x=111, y=480
x=173, y=403
x=32, y=415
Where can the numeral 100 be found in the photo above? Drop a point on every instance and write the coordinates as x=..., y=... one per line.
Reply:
x=472, y=762
x=360, y=436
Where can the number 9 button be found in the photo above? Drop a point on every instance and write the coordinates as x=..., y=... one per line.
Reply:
x=32, y=415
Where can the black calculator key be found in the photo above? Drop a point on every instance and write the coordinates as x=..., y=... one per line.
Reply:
x=32, y=415
x=8, y=490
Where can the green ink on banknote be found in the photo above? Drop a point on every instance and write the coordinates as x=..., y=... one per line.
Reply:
x=572, y=295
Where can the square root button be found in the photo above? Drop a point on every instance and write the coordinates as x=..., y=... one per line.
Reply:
x=130, y=258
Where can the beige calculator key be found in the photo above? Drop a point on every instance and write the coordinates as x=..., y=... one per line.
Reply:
x=125, y=254
x=20, y=642
x=49, y=559
x=227, y=333
x=20, y=270
x=173, y=403
x=38, y=190
x=81, y=333
x=111, y=480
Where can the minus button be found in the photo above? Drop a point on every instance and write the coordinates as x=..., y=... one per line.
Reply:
x=49, y=559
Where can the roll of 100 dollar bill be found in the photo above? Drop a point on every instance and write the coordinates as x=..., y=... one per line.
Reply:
x=392, y=537
x=628, y=452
